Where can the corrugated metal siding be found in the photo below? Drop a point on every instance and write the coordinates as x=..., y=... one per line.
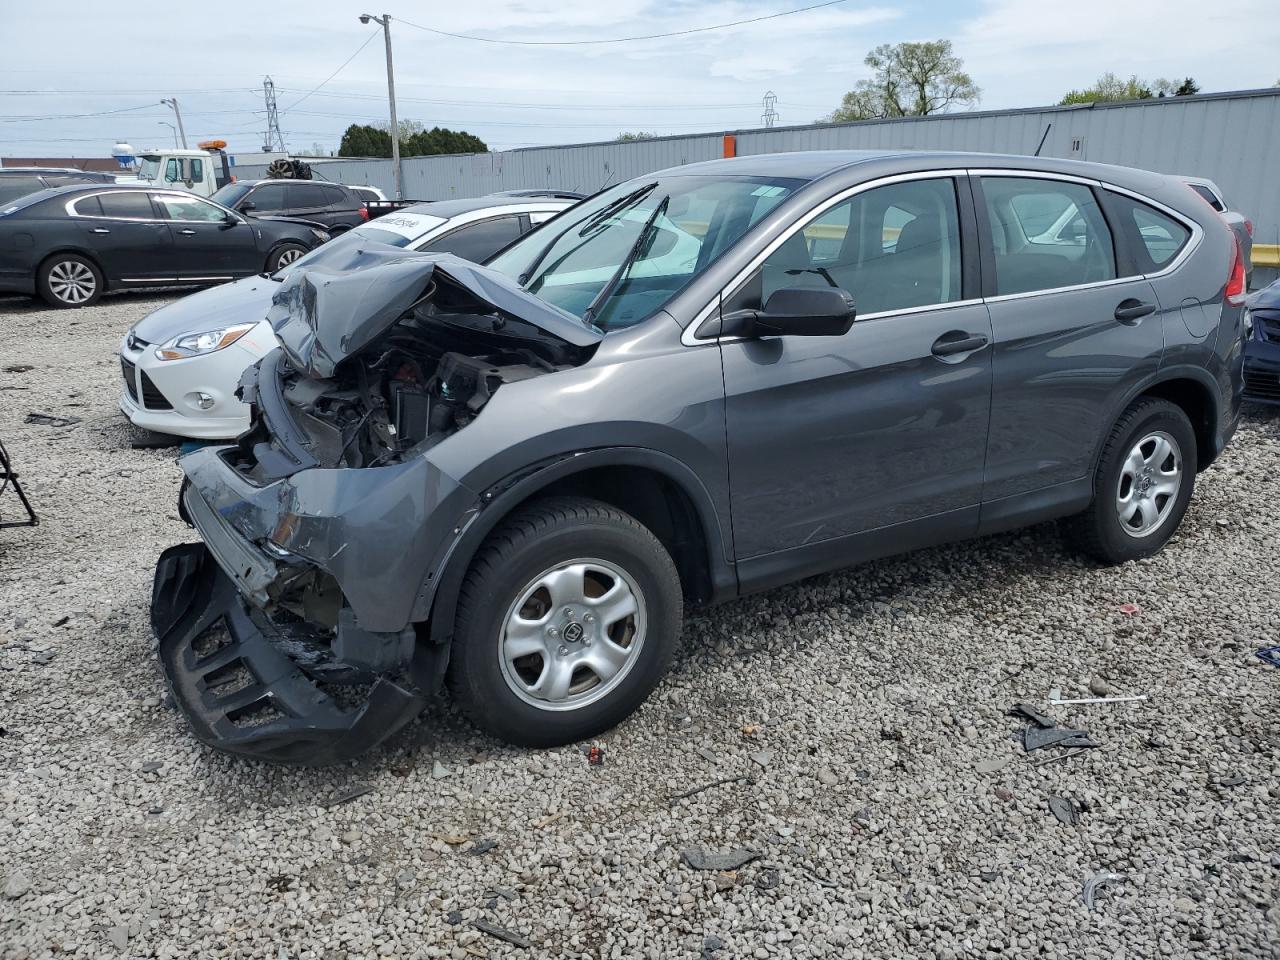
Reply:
x=1229, y=138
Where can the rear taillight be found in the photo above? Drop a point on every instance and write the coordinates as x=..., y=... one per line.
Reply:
x=1235, y=291
x=364, y=212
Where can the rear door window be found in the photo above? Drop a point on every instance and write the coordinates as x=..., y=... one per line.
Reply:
x=127, y=204
x=478, y=242
x=1046, y=234
x=335, y=197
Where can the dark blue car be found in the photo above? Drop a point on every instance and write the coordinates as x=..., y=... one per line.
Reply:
x=1262, y=349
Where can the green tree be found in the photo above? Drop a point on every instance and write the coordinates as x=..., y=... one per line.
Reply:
x=627, y=136
x=909, y=80
x=1109, y=88
x=363, y=140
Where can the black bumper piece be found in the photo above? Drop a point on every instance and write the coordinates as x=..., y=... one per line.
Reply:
x=239, y=689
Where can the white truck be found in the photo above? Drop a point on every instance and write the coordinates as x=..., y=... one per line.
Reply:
x=201, y=171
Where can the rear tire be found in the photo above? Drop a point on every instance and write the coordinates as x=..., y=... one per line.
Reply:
x=1142, y=486
x=284, y=255
x=566, y=622
x=68, y=281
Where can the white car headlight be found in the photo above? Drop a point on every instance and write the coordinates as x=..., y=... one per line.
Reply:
x=321, y=235
x=197, y=344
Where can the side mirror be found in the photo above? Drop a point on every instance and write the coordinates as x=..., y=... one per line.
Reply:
x=247, y=206
x=230, y=220
x=795, y=312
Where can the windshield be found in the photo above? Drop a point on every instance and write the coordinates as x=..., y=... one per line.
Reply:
x=393, y=230
x=148, y=168
x=231, y=194
x=592, y=253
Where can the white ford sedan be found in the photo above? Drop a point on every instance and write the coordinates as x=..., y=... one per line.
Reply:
x=182, y=363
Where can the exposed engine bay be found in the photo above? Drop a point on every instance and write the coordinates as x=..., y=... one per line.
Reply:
x=372, y=370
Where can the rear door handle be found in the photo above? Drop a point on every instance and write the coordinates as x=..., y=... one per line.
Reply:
x=950, y=344
x=188, y=232
x=1132, y=309
x=99, y=230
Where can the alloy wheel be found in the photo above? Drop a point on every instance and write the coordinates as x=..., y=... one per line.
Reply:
x=1150, y=478
x=72, y=281
x=572, y=634
x=288, y=256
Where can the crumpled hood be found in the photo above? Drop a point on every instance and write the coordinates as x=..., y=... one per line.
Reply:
x=245, y=301
x=336, y=307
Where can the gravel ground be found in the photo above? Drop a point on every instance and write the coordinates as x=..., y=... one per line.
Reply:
x=879, y=780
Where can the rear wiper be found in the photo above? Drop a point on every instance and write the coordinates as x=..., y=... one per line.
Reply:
x=598, y=217
x=637, y=248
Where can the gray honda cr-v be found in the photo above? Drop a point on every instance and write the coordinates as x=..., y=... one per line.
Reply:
x=707, y=381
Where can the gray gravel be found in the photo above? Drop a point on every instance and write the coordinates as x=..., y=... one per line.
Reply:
x=857, y=719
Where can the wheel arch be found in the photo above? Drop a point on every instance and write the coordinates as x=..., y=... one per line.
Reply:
x=1192, y=390
x=79, y=252
x=659, y=491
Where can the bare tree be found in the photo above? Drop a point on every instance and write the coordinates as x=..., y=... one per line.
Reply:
x=909, y=80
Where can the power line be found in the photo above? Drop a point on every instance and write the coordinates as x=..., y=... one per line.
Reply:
x=334, y=74
x=650, y=36
x=539, y=105
x=74, y=116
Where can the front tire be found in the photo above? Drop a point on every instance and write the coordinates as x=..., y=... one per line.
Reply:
x=68, y=281
x=284, y=255
x=1143, y=484
x=566, y=622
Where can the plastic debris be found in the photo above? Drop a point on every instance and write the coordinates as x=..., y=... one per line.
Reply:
x=49, y=420
x=1065, y=810
x=1097, y=882
x=1129, y=609
x=439, y=771
x=699, y=859
x=992, y=765
x=750, y=729
x=1037, y=738
x=1027, y=712
x=493, y=930
x=1270, y=655
x=483, y=846
x=346, y=796
x=595, y=757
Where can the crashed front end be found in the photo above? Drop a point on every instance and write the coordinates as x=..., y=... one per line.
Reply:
x=295, y=632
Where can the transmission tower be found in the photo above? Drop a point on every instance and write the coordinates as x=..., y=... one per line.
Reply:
x=273, y=142
x=770, y=114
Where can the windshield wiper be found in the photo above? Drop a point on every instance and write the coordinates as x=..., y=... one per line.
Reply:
x=598, y=217
x=637, y=248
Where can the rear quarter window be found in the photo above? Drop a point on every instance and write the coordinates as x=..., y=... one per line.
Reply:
x=1154, y=237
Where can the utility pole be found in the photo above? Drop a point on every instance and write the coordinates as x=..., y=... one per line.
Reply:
x=770, y=114
x=273, y=142
x=177, y=115
x=166, y=123
x=385, y=21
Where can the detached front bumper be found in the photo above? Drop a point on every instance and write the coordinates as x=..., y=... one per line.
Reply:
x=230, y=672
x=251, y=675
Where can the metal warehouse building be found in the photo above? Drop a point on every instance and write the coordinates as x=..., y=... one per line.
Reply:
x=1230, y=138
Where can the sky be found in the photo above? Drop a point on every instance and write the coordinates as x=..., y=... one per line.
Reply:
x=65, y=60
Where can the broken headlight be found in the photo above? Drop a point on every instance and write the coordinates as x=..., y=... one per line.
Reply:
x=197, y=344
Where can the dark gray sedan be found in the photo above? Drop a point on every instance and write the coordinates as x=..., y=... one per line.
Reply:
x=72, y=243
x=707, y=381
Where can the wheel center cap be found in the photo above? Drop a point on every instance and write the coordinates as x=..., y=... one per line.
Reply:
x=573, y=631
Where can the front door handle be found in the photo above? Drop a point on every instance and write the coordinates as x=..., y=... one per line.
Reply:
x=1132, y=309
x=188, y=232
x=957, y=341
x=99, y=230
